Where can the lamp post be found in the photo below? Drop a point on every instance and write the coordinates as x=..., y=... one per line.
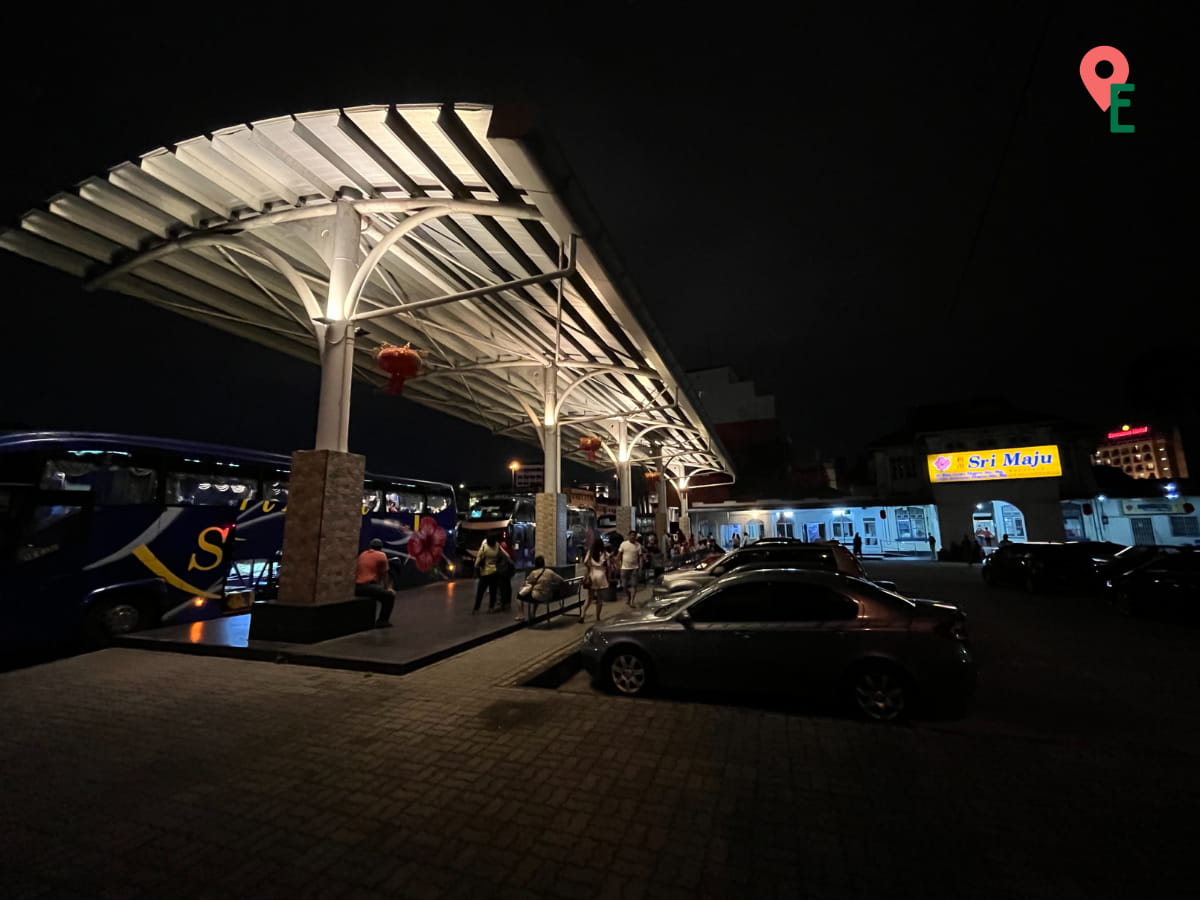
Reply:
x=512, y=467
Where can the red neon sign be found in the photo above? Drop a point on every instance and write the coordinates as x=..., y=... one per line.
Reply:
x=1130, y=432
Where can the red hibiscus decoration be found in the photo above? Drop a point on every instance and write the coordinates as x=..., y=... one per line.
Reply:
x=425, y=545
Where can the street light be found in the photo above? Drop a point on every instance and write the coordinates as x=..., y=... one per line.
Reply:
x=512, y=467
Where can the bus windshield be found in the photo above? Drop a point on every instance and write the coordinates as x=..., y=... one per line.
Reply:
x=492, y=509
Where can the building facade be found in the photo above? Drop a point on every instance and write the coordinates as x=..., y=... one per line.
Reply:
x=1143, y=451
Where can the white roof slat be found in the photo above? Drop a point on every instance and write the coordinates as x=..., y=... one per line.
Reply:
x=45, y=252
x=60, y=231
x=301, y=155
x=171, y=171
x=238, y=145
x=78, y=211
x=148, y=189
x=347, y=154
x=423, y=120
x=477, y=119
x=128, y=207
x=373, y=123
x=200, y=155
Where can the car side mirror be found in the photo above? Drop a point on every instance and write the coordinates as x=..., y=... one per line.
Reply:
x=685, y=619
x=887, y=585
x=718, y=570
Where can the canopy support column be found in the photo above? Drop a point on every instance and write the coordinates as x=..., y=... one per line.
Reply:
x=624, y=479
x=324, y=518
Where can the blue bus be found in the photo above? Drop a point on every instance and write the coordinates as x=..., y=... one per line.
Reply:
x=103, y=534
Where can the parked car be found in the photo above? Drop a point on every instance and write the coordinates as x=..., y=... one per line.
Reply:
x=766, y=553
x=1108, y=568
x=1165, y=586
x=797, y=631
x=1038, y=566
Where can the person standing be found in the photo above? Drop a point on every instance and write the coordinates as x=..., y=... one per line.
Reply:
x=371, y=577
x=932, y=548
x=735, y=541
x=631, y=561
x=596, y=566
x=505, y=568
x=858, y=545
x=485, y=566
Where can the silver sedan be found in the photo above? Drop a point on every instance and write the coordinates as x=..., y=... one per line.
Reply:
x=795, y=631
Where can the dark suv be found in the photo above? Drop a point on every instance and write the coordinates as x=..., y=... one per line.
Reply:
x=762, y=554
x=1039, y=566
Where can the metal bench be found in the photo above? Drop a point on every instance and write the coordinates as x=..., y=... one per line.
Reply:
x=568, y=589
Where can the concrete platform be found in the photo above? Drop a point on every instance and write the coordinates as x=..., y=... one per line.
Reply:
x=429, y=624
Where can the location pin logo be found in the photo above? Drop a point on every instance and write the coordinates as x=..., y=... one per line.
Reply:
x=1099, y=87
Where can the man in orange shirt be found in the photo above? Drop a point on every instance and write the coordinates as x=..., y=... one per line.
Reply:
x=371, y=580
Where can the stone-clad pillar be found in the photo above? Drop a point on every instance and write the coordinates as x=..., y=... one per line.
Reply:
x=552, y=528
x=320, y=545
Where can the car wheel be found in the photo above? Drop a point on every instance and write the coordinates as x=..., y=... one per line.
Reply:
x=879, y=692
x=627, y=671
x=1031, y=584
x=988, y=578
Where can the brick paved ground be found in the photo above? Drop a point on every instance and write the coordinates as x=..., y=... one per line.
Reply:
x=138, y=774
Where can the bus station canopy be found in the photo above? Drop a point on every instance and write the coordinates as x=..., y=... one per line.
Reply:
x=232, y=229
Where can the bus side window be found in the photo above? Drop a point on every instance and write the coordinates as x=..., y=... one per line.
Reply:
x=209, y=489
x=110, y=480
x=372, y=501
x=437, y=501
x=404, y=502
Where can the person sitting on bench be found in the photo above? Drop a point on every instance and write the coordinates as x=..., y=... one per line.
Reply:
x=371, y=580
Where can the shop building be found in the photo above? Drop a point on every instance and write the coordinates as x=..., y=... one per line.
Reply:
x=987, y=478
x=886, y=530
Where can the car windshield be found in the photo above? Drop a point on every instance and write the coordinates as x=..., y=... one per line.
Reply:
x=669, y=609
x=492, y=509
x=715, y=562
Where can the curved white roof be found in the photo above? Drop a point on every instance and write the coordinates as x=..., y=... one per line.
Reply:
x=204, y=228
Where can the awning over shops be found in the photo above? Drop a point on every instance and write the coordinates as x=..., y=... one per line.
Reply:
x=233, y=229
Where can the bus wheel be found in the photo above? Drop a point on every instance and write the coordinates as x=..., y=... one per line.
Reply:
x=120, y=615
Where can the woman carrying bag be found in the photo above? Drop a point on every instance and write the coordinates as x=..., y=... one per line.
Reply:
x=541, y=586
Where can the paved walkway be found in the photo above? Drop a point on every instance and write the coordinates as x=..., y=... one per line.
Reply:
x=429, y=623
x=133, y=774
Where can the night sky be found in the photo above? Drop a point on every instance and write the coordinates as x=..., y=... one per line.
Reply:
x=859, y=212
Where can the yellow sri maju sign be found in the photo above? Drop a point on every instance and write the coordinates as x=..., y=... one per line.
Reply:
x=987, y=465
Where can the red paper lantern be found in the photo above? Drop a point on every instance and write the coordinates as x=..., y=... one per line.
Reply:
x=591, y=445
x=399, y=362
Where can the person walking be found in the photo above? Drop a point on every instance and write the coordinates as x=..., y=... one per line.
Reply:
x=858, y=545
x=932, y=548
x=631, y=561
x=596, y=566
x=541, y=584
x=485, y=566
x=371, y=577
